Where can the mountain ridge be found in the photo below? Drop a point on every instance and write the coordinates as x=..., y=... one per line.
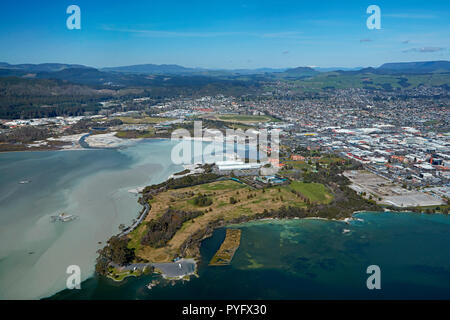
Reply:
x=419, y=67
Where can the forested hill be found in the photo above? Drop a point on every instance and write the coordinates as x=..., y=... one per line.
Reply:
x=35, y=98
x=22, y=97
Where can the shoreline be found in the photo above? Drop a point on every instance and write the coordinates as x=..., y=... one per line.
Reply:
x=198, y=258
x=125, y=142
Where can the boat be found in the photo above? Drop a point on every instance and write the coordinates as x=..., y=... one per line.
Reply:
x=63, y=217
x=24, y=181
x=346, y=231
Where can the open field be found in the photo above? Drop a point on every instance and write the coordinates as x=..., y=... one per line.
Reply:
x=300, y=164
x=150, y=133
x=223, y=185
x=316, y=192
x=230, y=200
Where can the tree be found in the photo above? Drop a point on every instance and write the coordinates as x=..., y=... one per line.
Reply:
x=202, y=200
x=116, y=251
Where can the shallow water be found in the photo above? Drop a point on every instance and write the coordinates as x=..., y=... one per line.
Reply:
x=92, y=184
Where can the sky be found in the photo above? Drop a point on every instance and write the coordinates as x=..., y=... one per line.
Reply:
x=224, y=34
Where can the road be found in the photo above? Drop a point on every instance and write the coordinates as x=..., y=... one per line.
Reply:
x=138, y=221
x=180, y=268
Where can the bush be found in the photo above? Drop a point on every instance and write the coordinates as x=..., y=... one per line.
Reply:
x=202, y=200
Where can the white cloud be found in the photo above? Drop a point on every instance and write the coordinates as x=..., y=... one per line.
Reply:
x=425, y=49
x=409, y=16
x=203, y=34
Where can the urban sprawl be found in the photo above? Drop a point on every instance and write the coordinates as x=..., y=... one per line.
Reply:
x=401, y=138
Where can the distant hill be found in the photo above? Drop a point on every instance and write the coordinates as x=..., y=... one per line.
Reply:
x=43, y=67
x=420, y=67
x=416, y=67
x=330, y=69
x=153, y=69
x=256, y=71
x=174, y=69
x=298, y=72
x=404, y=68
x=80, y=75
x=301, y=70
x=171, y=75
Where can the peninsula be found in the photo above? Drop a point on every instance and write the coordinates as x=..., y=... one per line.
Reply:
x=186, y=209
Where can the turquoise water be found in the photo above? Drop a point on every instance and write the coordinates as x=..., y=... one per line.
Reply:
x=310, y=259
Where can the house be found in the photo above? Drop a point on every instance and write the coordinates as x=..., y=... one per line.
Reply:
x=297, y=157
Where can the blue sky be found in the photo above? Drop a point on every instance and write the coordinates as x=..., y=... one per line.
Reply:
x=224, y=34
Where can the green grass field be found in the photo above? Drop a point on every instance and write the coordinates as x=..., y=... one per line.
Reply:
x=136, y=134
x=314, y=191
x=222, y=185
x=136, y=235
x=120, y=276
x=298, y=164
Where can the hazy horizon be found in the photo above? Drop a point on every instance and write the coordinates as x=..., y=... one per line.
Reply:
x=220, y=68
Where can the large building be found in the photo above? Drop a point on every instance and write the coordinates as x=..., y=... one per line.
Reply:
x=237, y=167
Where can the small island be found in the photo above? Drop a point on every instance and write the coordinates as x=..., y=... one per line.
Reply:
x=228, y=248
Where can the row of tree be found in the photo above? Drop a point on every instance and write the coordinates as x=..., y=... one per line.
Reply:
x=159, y=231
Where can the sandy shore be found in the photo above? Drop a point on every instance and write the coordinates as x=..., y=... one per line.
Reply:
x=108, y=140
x=73, y=139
